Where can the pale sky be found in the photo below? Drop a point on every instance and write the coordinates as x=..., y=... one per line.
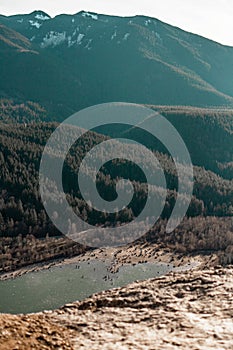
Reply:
x=210, y=18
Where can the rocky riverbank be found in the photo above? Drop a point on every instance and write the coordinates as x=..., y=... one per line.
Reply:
x=131, y=254
x=189, y=310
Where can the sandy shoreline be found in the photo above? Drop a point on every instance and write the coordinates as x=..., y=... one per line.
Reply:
x=127, y=255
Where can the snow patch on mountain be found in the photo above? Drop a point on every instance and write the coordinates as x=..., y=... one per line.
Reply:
x=88, y=14
x=114, y=35
x=80, y=38
x=42, y=17
x=147, y=22
x=126, y=36
x=70, y=41
x=88, y=46
x=75, y=32
x=35, y=24
x=53, y=39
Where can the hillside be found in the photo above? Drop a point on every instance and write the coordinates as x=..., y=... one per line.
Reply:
x=22, y=211
x=207, y=133
x=85, y=59
x=56, y=66
x=13, y=41
x=205, y=129
x=21, y=112
x=90, y=219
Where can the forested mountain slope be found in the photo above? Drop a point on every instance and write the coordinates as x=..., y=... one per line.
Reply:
x=84, y=59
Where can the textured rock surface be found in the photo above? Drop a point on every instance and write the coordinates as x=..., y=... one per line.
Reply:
x=189, y=310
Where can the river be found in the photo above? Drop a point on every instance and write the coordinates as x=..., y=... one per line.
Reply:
x=51, y=288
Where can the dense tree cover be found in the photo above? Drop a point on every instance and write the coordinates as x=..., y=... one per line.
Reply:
x=207, y=133
x=19, y=251
x=168, y=66
x=22, y=212
x=207, y=234
x=12, y=111
x=199, y=235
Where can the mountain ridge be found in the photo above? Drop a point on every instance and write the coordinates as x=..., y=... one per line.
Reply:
x=100, y=58
x=116, y=16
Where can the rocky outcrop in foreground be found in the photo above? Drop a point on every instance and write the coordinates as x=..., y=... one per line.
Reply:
x=188, y=310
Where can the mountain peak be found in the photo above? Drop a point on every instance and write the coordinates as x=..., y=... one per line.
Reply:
x=40, y=15
x=89, y=14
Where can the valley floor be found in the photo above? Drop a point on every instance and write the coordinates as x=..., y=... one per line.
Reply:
x=185, y=310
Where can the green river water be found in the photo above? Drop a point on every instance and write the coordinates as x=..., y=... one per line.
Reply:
x=54, y=287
